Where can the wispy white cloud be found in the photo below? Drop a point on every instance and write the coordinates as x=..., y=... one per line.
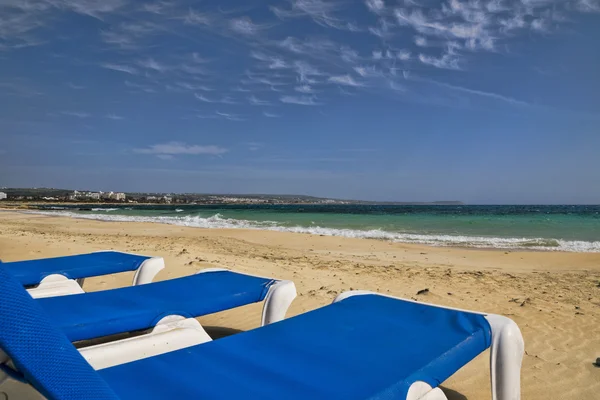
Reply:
x=229, y=116
x=75, y=87
x=77, y=114
x=222, y=100
x=307, y=72
x=192, y=86
x=194, y=17
x=151, y=64
x=310, y=46
x=115, y=117
x=253, y=100
x=346, y=80
x=588, y=5
x=349, y=55
x=244, y=26
x=127, y=35
x=140, y=87
x=383, y=30
x=156, y=8
x=446, y=61
x=120, y=67
x=403, y=55
x=320, y=11
x=491, y=95
x=92, y=8
x=203, y=98
x=305, y=89
x=271, y=115
x=179, y=148
x=254, y=146
x=272, y=62
x=421, y=41
x=267, y=79
x=369, y=71
x=193, y=69
x=299, y=100
x=512, y=22
x=375, y=6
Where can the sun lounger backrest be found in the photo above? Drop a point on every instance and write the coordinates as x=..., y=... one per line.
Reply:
x=44, y=355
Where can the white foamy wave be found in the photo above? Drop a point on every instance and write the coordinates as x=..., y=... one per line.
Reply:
x=105, y=209
x=217, y=221
x=178, y=210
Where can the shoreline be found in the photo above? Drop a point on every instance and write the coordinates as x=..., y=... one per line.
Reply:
x=510, y=244
x=521, y=258
x=554, y=297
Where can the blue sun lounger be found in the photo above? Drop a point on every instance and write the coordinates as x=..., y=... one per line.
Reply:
x=64, y=275
x=363, y=346
x=109, y=312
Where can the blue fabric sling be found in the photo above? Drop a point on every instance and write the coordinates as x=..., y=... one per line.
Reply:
x=31, y=272
x=95, y=314
x=364, y=347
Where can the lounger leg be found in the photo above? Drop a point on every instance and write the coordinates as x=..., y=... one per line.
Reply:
x=506, y=355
x=420, y=390
x=278, y=300
x=148, y=270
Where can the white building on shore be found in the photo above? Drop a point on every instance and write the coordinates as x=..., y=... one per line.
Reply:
x=3, y=196
x=76, y=195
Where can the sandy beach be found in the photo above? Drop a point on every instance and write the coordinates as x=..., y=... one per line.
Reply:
x=554, y=297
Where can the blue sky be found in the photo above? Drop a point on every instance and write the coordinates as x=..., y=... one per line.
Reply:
x=485, y=101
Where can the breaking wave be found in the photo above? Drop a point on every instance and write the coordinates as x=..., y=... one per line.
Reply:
x=218, y=221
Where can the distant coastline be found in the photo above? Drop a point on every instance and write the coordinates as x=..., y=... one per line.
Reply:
x=31, y=197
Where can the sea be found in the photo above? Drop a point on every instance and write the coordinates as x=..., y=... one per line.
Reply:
x=574, y=228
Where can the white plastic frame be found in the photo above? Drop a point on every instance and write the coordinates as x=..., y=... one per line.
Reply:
x=55, y=285
x=60, y=285
x=276, y=302
x=169, y=334
x=506, y=355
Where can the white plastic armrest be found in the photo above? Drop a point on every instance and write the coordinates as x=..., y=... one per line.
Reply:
x=171, y=333
x=148, y=270
x=506, y=355
x=55, y=285
x=277, y=301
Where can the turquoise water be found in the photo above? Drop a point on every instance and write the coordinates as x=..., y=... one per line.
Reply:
x=566, y=228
